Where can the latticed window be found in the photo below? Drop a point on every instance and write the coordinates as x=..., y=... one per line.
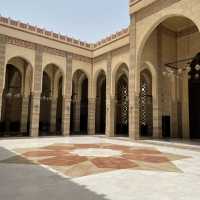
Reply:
x=146, y=109
x=143, y=104
x=123, y=102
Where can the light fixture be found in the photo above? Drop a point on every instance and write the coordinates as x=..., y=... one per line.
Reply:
x=197, y=67
x=17, y=96
x=9, y=95
x=178, y=67
x=196, y=76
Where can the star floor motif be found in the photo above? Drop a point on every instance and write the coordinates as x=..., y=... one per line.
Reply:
x=76, y=160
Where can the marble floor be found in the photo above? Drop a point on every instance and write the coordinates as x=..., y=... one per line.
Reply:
x=112, y=168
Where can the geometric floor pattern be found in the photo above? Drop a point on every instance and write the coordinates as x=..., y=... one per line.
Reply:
x=79, y=160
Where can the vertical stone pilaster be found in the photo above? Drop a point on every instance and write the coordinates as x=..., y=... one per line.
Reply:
x=35, y=114
x=185, y=108
x=37, y=88
x=67, y=97
x=3, y=42
x=66, y=116
x=24, y=114
x=174, y=108
x=1, y=101
x=110, y=108
x=134, y=128
x=134, y=124
x=53, y=115
x=76, y=115
x=157, y=97
x=91, y=115
x=97, y=114
x=157, y=108
x=157, y=122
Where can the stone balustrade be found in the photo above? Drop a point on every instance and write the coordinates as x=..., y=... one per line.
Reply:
x=43, y=32
x=62, y=38
x=111, y=38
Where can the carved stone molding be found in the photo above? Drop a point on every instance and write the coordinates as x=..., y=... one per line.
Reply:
x=3, y=41
x=49, y=50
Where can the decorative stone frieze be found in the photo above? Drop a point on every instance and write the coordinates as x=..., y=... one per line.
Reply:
x=49, y=50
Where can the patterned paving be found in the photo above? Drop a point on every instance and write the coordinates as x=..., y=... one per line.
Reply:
x=78, y=160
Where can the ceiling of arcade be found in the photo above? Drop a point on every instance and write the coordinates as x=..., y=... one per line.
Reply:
x=178, y=24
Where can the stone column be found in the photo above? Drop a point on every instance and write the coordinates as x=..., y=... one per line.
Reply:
x=37, y=88
x=159, y=85
x=3, y=42
x=53, y=114
x=24, y=114
x=157, y=121
x=110, y=117
x=66, y=116
x=134, y=77
x=185, y=107
x=91, y=115
x=174, y=107
x=1, y=99
x=157, y=110
x=35, y=114
x=97, y=114
x=110, y=108
x=66, y=108
x=76, y=115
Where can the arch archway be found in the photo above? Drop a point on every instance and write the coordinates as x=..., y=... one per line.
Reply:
x=170, y=45
x=16, y=98
x=100, y=103
x=155, y=24
x=79, y=103
x=51, y=101
x=121, y=101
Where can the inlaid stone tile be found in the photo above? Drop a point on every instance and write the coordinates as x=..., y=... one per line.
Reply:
x=63, y=160
x=76, y=160
x=114, y=163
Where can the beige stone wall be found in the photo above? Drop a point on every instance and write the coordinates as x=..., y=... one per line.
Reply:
x=143, y=45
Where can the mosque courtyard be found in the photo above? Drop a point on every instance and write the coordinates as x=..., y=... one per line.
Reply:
x=98, y=168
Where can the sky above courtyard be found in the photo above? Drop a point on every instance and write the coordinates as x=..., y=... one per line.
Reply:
x=89, y=20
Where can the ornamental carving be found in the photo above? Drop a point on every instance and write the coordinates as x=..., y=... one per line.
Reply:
x=49, y=50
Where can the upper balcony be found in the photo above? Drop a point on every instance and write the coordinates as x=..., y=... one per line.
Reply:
x=136, y=5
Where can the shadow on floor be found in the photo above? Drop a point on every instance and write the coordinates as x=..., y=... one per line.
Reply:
x=22, y=180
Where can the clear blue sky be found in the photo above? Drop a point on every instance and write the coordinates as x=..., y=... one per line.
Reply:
x=88, y=20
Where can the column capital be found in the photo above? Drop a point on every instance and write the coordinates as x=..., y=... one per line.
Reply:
x=3, y=39
x=66, y=98
x=69, y=56
x=92, y=100
x=25, y=98
x=35, y=93
x=39, y=48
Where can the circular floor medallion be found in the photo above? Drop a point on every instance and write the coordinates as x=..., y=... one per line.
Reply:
x=95, y=152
